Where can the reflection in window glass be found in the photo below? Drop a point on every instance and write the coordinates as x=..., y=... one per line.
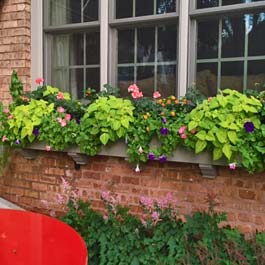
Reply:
x=70, y=11
x=165, y=6
x=256, y=33
x=92, y=80
x=125, y=79
x=92, y=48
x=233, y=37
x=207, y=3
x=256, y=75
x=207, y=46
x=206, y=78
x=60, y=50
x=124, y=8
x=232, y=75
x=166, y=80
x=167, y=43
x=77, y=49
x=232, y=2
x=126, y=46
x=60, y=78
x=144, y=8
x=146, y=45
x=145, y=79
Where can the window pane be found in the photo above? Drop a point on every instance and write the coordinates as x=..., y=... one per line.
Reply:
x=92, y=48
x=124, y=8
x=232, y=75
x=167, y=43
x=207, y=3
x=64, y=12
x=144, y=8
x=77, y=82
x=60, y=79
x=166, y=80
x=232, y=2
x=76, y=49
x=146, y=45
x=125, y=78
x=256, y=75
x=256, y=31
x=165, y=6
x=90, y=10
x=207, y=46
x=145, y=80
x=60, y=50
x=233, y=37
x=92, y=79
x=206, y=79
x=126, y=46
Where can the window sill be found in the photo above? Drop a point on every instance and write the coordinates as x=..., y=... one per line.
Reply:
x=119, y=149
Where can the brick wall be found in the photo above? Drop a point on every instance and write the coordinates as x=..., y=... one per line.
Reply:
x=28, y=182
x=14, y=43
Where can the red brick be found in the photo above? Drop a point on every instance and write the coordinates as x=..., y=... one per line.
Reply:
x=247, y=194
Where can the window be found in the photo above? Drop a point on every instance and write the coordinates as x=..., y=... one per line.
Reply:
x=230, y=51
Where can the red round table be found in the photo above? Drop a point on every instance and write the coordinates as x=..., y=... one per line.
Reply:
x=28, y=238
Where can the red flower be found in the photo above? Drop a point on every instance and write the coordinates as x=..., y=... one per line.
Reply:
x=39, y=80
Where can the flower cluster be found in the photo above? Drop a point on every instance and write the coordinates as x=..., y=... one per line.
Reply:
x=182, y=133
x=135, y=91
x=66, y=117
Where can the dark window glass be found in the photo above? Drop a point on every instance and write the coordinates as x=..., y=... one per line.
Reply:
x=256, y=75
x=124, y=8
x=232, y=75
x=167, y=43
x=256, y=33
x=75, y=11
x=233, y=37
x=165, y=6
x=126, y=46
x=125, y=79
x=145, y=80
x=206, y=78
x=92, y=80
x=207, y=3
x=144, y=8
x=77, y=49
x=90, y=10
x=92, y=48
x=166, y=80
x=207, y=45
x=77, y=82
x=146, y=45
x=232, y=2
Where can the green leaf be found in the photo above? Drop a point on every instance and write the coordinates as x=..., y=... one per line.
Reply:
x=201, y=135
x=125, y=123
x=104, y=138
x=221, y=136
x=232, y=136
x=116, y=125
x=192, y=125
x=217, y=153
x=227, y=150
x=200, y=146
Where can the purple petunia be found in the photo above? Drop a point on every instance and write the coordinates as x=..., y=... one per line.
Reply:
x=164, y=120
x=77, y=121
x=249, y=127
x=164, y=131
x=162, y=158
x=151, y=156
x=17, y=142
x=36, y=131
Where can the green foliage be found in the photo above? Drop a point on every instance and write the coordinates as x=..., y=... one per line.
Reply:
x=194, y=96
x=16, y=88
x=219, y=123
x=106, y=120
x=159, y=236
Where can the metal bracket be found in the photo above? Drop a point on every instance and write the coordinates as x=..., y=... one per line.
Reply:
x=208, y=171
x=79, y=159
x=28, y=153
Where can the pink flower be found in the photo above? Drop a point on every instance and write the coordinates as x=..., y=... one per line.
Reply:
x=182, y=129
x=60, y=95
x=133, y=88
x=59, y=120
x=60, y=109
x=68, y=117
x=137, y=169
x=193, y=131
x=4, y=138
x=137, y=94
x=156, y=94
x=210, y=99
x=183, y=136
x=232, y=166
x=6, y=110
x=147, y=202
x=48, y=148
x=155, y=216
x=105, y=195
x=39, y=80
x=10, y=117
x=63, y=122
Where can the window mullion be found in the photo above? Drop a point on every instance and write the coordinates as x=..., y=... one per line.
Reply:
x=245, y=59
x=135, y=54
x=219, y=73
x=156, y=51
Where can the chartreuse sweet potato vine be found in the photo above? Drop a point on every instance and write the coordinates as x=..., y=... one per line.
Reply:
x=222, y=122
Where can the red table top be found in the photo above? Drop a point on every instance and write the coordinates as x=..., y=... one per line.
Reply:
x=28, y=238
